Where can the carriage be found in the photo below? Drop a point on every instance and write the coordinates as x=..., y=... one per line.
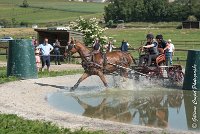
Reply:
x=158, y=69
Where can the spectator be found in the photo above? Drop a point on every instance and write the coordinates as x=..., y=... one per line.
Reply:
x=45, y=50
x=34, y=41
x=69, y=45
x=66, y=53
x=57, y=46
x=37, y=58
x=109, y=47
x=124, y=46
x=169, y=50
x=96, y=45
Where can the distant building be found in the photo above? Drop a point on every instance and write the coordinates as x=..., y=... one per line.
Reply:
x=171, y=0
x=190, y=24
x=63, y=34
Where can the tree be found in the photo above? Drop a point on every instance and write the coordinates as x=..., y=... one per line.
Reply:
x=138, y=11
x=151, y=10
x=90, y=30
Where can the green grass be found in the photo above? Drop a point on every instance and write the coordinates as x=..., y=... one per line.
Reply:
x=42, y=11
x=4, y=78
x=13, y=124
x=182, y=38
x=3, y=57
x=135, y=36
x=59, y=73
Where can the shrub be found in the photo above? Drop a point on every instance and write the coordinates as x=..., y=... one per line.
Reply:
x=191, y=18
x=110, y=23
x=25, y=4
x=90, y=30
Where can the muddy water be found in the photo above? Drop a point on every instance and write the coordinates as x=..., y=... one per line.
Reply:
x=144, y=103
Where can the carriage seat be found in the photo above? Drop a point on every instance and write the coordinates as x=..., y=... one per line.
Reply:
x=159, y=59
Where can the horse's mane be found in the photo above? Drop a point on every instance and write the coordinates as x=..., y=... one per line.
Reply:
x=72, y=42
x=79, y=42
x=81, y=45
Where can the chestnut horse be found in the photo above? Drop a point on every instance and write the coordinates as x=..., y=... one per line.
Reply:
x=96, y=64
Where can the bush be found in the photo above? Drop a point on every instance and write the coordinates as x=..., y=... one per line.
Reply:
x=179, y=27
x=25, y=4
x=23, y=24
x=90, y=30
x=5, y=23
x=191, y=18
x=110, y=23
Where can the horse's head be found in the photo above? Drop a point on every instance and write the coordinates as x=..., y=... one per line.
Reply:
x=71, y=48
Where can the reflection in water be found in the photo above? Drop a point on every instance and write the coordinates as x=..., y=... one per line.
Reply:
x=105, y=110
x=164, y=108
x=152, y=110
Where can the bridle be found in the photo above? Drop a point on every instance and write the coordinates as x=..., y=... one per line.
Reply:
x=70, y=47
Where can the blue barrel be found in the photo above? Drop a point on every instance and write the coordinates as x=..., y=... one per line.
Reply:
x=192, y=71
x=21, y=59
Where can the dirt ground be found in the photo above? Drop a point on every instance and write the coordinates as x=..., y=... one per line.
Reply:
x=28, y=99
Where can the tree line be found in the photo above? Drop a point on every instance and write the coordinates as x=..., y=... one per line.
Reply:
x=152, y=10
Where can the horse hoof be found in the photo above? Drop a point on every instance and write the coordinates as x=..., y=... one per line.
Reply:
x=71, y=89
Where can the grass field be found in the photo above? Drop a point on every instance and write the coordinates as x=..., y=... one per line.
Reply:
x=58, y=12
x=43, y=11
x=182, y=38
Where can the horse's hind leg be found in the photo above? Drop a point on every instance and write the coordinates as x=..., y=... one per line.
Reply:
x=102, y=77
x=84, y=76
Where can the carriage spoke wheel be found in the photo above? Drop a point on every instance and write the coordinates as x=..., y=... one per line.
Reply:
x=176, y=76
x=179, y=76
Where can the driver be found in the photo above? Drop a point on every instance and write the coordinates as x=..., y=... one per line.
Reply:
x=152, y=48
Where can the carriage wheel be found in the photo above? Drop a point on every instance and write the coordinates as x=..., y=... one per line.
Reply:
x=179, y=76
x=176, y=76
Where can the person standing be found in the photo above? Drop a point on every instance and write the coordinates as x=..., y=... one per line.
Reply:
x=45, y=50
x=57, y=46
x=96, y=45
x=169, y=52
x=109, y=47
x=124, y=46
x=37, y=59
x=34, y=41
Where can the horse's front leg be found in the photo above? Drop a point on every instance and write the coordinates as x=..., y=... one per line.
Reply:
x=102, y=77
x=84, y=76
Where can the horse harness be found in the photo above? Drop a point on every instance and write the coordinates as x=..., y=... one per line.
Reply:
x=90, y=65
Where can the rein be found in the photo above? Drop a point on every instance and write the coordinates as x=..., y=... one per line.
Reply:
x=81, y=57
